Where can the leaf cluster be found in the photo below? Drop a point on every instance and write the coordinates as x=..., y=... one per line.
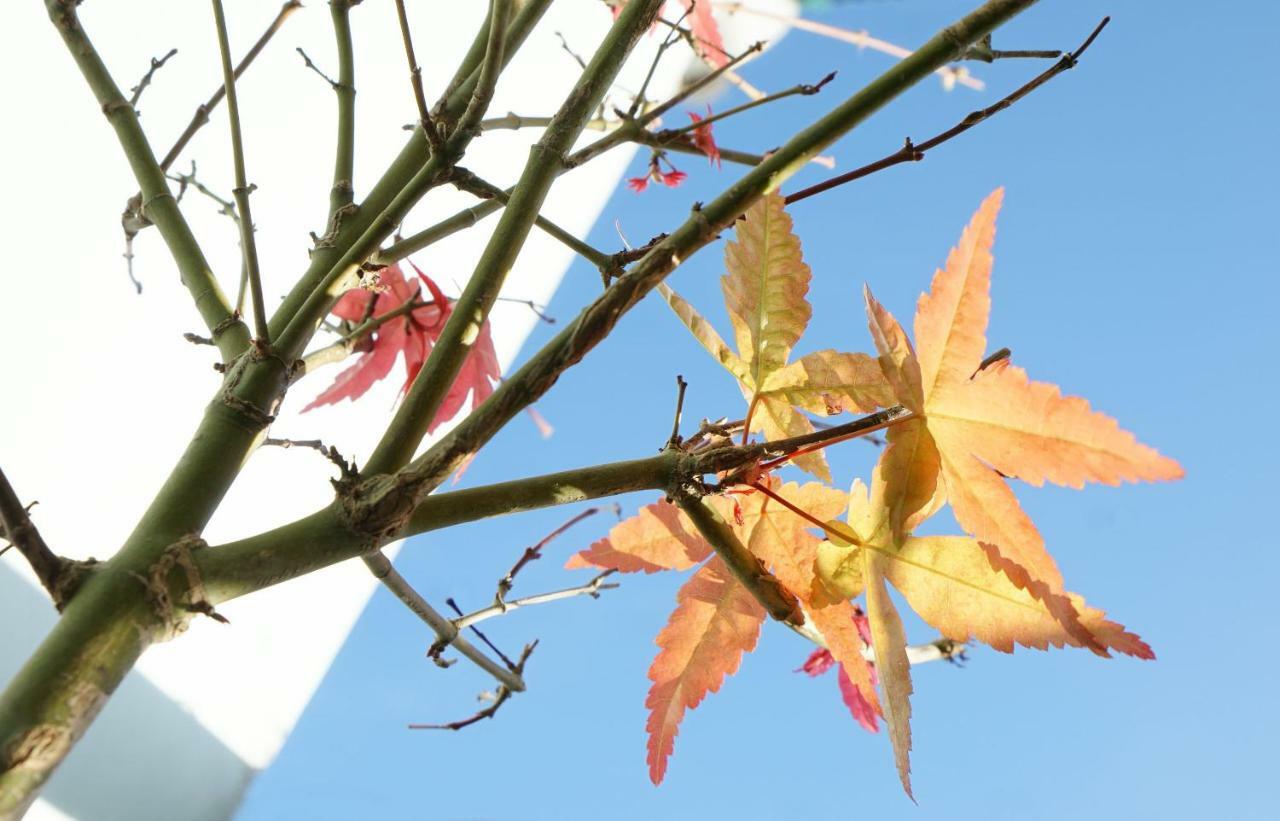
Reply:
x=972, y=426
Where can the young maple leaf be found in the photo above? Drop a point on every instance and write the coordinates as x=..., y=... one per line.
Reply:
x=706, y=34
x=704, y=140
x=414, y=335
x=660, y=537
x=764, y=292
x=821, y=660
x=974, y=427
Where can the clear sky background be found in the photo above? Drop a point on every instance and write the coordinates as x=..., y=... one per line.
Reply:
x=1135, y=265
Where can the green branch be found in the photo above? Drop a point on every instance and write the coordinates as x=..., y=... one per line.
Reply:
x=343, y=191
x=328, y=535
x=411, y=174
x=779, y=602
x=591, y=326
x=248, y=244
x=158, y=203
x=546, y=158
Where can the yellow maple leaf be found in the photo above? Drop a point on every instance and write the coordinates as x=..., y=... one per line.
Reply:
x=973, y=425
x=764, y=292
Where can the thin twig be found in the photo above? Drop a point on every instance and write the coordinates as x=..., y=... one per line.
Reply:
x=327, y=451
x=133, y=219
x=534, y=552
x=680, y=96
x=382, y=570
x=242, y=189
x=439, y=646
x=415, y=78
x=156, y=64
x=591, y=588
x=667, y=42
x=500, y=698
x=18, y=529
x=983, y=51
x=673, y=441
x=914, y=152
x=201, y=117
x=807, y=443
x=803, y=90
x=564, y=44
x=465, y=180
x=309, y=63
x=861, y=39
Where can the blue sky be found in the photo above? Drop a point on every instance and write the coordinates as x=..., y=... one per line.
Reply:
x=1135, y=265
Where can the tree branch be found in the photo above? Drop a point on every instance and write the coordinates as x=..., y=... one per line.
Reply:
x=201, y=117
x=382, y=210
x=452, y=347
x=746, y=567
x=16, y=526
x=591, y=588
x=343, y=190
x=391, y=579
x=248, y=245
x=595, y=322
x=465, y=180
x=914, y=152
x=157, y=63
x=415, y=78
x=499, y=698
x=157, y=203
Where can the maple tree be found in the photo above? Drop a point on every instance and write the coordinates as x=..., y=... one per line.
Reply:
x=960, y=425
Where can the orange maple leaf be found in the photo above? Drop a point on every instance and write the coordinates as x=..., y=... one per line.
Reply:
x=658, y=537
x=974, y=427
x=716, y=622
x=661, y=537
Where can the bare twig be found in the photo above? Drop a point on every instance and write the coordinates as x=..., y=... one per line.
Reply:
x=382, y=570
x=802, y=90
x=673, y=441
x=534, y=553
x=243, y=189
x=415, y=78
x=329, y=452
x=309, y=63
x=16, y=527
x=201, y=116
x=983, y=51
x=914, y=152
x=950, y=75
x=667, y=42
x=499, y=698
x=156, y=64
x=591, y=588
x=439, y=646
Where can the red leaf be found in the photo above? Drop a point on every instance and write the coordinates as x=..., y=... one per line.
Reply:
x=704, y=140
x=706, y=33
x=672, y=178
x=414, y=335
x=862, y=712
x=821, y=660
